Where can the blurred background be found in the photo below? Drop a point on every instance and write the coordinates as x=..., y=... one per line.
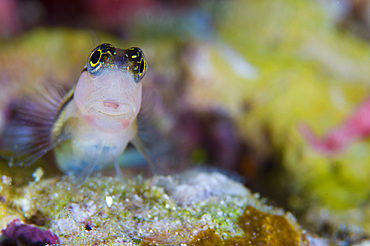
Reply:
x=275, y=92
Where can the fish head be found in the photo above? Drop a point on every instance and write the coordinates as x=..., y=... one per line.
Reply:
x=108, y=93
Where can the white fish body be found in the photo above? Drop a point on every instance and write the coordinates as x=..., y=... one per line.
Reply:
x=91, y=125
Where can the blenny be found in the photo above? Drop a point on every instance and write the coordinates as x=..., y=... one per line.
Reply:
x=91, y=125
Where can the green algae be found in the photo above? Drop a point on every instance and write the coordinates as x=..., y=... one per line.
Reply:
x=260, y=228
x=141, y=212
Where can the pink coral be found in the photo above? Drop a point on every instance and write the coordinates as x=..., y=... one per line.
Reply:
x=18, y=233
x=357, y=126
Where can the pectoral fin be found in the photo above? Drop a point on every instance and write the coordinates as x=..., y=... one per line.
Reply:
x=150, y=140
x=35, y=125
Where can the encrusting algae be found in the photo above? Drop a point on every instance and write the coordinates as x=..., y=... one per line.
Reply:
x=260, y=228
x=105, y=211
x=269, y=229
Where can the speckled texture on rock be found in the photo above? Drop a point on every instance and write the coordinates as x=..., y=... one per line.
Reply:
x=141, y=211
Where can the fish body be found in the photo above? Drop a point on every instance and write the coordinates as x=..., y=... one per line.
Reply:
x=91, y=125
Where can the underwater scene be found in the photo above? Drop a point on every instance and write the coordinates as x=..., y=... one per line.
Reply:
x=155, y=122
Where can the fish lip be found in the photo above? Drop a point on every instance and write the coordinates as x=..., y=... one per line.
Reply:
x=126, y=111
x=113, y=115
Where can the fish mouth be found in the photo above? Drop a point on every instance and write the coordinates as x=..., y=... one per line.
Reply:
x=114, y=108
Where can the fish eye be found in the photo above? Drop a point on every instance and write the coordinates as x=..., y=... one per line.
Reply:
x=95, y=57
x=100, y=56
x=142, y=67
x=137, y=62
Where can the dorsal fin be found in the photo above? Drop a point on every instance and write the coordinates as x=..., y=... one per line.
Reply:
x=35, y=125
